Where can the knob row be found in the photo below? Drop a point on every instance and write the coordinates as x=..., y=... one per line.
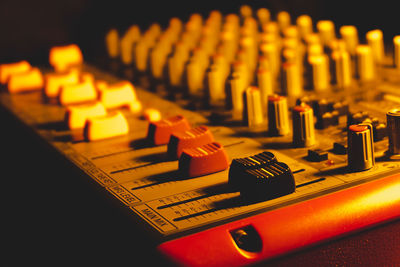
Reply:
x=242, y=50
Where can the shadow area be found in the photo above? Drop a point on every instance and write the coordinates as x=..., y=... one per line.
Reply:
x=140, y=143
x=53, y=125
x=235, y=201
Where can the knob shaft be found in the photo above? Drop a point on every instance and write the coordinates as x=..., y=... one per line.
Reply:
x=278, y=118
x=393, y=126
x=253, y=115
x=303, y=126
x=360, y=155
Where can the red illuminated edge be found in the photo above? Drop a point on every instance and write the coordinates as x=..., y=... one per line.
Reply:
x=315, y=220
x=275, y=98
x=358, y=128
x=302, y=108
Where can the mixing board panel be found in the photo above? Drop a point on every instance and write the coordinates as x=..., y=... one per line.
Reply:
x=264, y=185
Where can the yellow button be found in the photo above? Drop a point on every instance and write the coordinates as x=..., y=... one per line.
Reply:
x=6, y=70
x=77, y=93
x=25, y=81
x=118, y=95
x=63, y=57
x=87, y=77
x=151, y=114
x=54, y=82
x=76, y=116
x=106, y=127
x=100, y=85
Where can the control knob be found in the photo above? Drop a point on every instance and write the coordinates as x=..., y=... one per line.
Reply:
x=303, y=126
x=360, y=155
x=393, y=130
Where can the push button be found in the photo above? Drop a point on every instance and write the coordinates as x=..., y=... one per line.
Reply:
x=317, y=155
x=327, y=119
x=203, y=160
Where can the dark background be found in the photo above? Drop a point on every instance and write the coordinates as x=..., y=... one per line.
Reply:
x=50, y=217
x=29, y=28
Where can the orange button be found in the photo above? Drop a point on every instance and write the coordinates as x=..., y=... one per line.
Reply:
x=63, y=57
x=30, y=80
x=6, y=70
x=76, y=116
x=77, y=93
x=159, y=131
x=118, y=95
x=203, y=160
x=188, y=139
x=54, y=82
x=112, y=125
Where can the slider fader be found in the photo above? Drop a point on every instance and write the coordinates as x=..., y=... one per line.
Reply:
x=232, y=139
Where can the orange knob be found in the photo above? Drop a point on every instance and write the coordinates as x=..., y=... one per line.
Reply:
x=203, y=160
x=159, y=132
x=188, y=139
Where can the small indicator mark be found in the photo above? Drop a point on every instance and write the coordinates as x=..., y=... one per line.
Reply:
x=299, y=170
x=311, y=182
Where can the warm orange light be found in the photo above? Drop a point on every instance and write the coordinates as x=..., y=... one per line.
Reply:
x=326, y=30
x=127, y=42
x=87, y=77
x=263, y=15
x=54, y=82
x=76, y=116
x=349, y=34
x=63, y=57
x=77, y=93
x=365, y=63
x=376, y=42
x=396, y=51
x=6, y=70
x=106, y=127
x=304, y=23
x=151, y=114
x=112, y=43
x=25, y=81
x=377, y=199
x=118, y=95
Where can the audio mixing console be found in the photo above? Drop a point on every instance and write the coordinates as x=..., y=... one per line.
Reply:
x=231, y=139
